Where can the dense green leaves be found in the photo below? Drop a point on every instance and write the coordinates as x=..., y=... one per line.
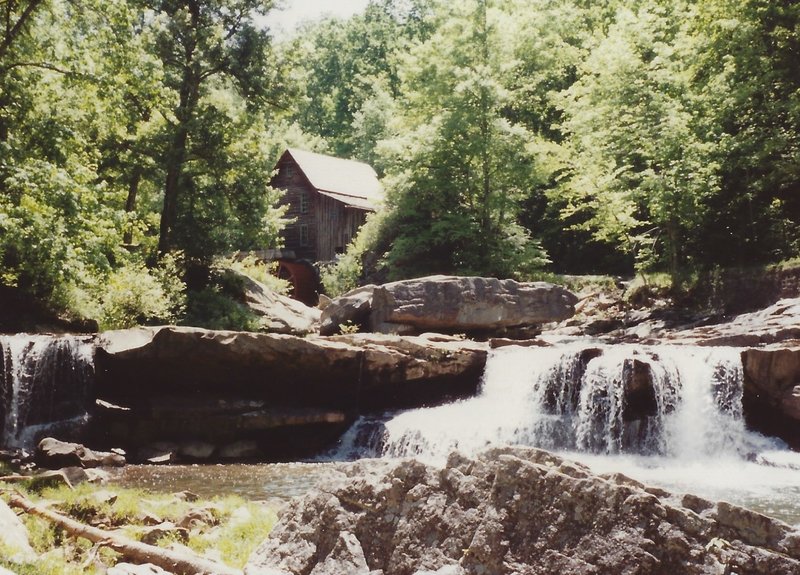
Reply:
x=106, y=110
x=460, y=168
x=664, y=131
x=657, y=133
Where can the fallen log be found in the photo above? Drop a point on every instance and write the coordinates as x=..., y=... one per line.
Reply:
x=179, y=563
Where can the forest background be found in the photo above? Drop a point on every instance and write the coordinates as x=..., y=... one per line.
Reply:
x=514, y=137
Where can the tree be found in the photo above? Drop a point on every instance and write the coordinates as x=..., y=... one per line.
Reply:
x=745, y=70
x=641, y=170
x=57, y=225
x=460, y=169
x=208, y=49
x=347, y=73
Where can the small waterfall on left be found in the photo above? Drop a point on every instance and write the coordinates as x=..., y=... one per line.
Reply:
x=45, y=387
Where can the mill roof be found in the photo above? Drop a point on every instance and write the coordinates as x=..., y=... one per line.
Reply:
x=353, y=183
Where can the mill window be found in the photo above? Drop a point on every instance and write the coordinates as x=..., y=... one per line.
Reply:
x=304, y=203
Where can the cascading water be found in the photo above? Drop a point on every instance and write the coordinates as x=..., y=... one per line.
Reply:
x=660, y=400
x=45, y=387
x=664, y=415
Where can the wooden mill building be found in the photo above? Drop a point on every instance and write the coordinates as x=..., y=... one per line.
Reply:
x=328, y=198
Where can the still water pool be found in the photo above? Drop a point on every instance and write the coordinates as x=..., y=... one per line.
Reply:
x=771, y=487
x=256, y=482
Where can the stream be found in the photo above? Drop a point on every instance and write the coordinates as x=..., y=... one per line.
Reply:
x=666, y=415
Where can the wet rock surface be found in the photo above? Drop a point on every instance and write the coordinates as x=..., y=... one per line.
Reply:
x=515, y=510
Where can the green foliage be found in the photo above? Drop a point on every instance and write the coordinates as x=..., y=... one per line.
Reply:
x=215, y=63
x=134, y=294
x=660, y=134
x=346, y=74
x=349, y=270
x=95, y=133
x=641, y=168
x=348, y=328
x=243, y=527
x=460, y=170
x=52, y=564
x=264, y=273
x=214, y=308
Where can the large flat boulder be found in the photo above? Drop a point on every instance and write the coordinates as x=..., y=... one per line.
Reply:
x=154, y=361
x=450, y=304
x=292, y=395
x=515, y=510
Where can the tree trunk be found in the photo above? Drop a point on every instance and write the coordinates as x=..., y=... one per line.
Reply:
x=130, y=203
x=176, y=156
x=169, y=213
x=173, y=561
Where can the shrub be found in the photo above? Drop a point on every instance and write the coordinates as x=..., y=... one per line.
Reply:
x=262, y=272
x=212, y=308
x=134, y=294
x=348, y=271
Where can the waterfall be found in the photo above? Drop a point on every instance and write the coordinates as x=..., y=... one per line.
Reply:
x=675, y=401
x=45, y=387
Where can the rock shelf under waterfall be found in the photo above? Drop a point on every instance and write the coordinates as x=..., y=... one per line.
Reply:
x=46, y=387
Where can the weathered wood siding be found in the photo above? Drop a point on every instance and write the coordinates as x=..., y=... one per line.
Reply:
x=330, y=225
x=292, y=180
x=336, y=226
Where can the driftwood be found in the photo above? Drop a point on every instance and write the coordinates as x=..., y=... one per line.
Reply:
x=180, y=563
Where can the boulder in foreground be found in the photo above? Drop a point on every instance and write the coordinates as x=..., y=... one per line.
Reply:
x=516, y=510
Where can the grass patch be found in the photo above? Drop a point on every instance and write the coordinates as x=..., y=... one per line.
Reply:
x=243, y=526
x=235, y=528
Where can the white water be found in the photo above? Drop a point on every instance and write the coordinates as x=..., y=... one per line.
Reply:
x=44, y=387
x=574, y=398
x=688, y=436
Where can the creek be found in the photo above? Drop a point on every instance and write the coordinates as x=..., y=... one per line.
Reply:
x=666, y=415
x=669, y=416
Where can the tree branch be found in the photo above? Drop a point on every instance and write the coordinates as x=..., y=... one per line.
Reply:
x=47, y=66
x=15, y=30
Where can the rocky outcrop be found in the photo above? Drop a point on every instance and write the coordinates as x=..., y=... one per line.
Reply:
x=292, y=395
x=777, y=323
x=516, y=510
x=276, y=313
x=351, y=309
x=449, y=304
